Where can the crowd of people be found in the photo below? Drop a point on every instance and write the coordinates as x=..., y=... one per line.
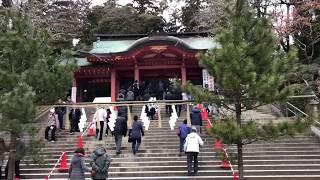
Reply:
x=161, y=90
x=190, y=141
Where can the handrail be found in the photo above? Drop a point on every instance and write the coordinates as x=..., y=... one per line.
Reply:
x=224, y=149
x=300, y=112
x=297, y=109
x=54, y=167
x=303, y=96
x=86, y=128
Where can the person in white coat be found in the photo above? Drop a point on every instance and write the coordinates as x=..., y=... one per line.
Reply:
x=191, y=148
x=100, y=117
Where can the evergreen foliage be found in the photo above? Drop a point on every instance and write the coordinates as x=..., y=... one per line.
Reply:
x=230, y=133
x=31, y=72
x=191, y=8
x=124, y=20
x=251, y=71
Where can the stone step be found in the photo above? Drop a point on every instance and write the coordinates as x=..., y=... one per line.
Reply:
x=176, y=144
x=182, y=161
x=183, y=173
x=181, y=166
x=267, y=177
x=205, y=150
x=128, y=157
x=136, y=173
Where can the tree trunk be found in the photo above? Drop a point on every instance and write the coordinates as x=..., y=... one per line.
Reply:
x=11, y=163
x=239, y=144
x=240, y=162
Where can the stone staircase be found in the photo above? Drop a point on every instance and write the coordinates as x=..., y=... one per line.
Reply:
x=262, y=115
x=157, y=158
x=292, y=159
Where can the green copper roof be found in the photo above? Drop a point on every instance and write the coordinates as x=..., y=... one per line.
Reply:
x=200, y=43
x=117, y=46
x=82, y=61
x=111, y=46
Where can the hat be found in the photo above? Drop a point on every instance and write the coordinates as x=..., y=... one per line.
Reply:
x=52, y=110
x=194, y=129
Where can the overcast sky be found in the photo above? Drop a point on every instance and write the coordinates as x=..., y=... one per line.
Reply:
x=99, y=2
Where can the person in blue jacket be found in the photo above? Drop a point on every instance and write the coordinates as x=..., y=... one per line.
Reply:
x=184, y=130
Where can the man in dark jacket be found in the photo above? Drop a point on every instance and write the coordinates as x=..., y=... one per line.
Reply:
x=135, y=134
x=74, y=117
x=120, y=129
x=122, y=109
x=60, y=111
x=196, y=119
x=169, y=96
x=20, y=153
x=100, y=162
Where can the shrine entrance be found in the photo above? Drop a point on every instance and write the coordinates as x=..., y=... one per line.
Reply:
x=152, y=61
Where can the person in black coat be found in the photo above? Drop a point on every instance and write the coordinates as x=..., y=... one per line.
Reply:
x=122, y=109
x=178, y=96
x=120, y=129
x=135, y=134
x=74, y=117
x=196, y=119
x=60, y=111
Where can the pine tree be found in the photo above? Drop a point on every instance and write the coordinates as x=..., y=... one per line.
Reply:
x=250, y=68
x=31, y=72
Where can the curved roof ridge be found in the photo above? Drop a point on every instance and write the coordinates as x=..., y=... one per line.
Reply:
x=174, y=40
x=126, y=45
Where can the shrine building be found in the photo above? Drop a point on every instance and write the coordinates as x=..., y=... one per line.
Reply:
x=117, y=60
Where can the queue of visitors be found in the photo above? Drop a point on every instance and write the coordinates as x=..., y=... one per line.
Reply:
x=189, y=140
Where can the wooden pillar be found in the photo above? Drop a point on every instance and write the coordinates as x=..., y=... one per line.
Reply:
x=159, y=117
x=117, y=85
x=113, y=85
x=74, y=90
x=183, y=75
x=136, y=70
x=81, y=92
x=129, y=122
x=183, y=70
x=136, y=74
x=188, y=115
x=67, y=120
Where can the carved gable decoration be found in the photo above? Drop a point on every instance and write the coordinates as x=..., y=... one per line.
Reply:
x=158, y=49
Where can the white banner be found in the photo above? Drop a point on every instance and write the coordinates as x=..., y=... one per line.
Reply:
x=207, y=80
x=74, y=94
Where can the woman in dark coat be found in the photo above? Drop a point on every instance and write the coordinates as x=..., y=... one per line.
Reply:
x=77, y=166
x=135, y=134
